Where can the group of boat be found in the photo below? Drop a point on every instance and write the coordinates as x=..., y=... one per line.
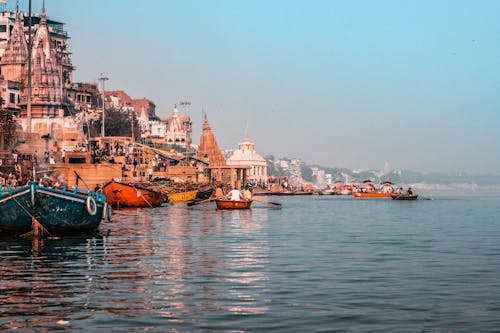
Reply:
x=37, y=210
x=369, y=191
x=34, y=208
x=121, y=194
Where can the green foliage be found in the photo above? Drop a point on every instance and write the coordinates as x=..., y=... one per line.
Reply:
x=7, y=128
x=119, y=123
x=307, y=173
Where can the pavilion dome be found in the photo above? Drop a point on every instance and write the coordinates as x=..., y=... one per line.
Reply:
x=246, y=155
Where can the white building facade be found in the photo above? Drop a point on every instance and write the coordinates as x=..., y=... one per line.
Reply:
x=246, y=155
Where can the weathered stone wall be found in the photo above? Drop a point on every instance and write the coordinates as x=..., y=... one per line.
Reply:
x=92, y=175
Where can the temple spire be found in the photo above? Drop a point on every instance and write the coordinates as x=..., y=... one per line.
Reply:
x=209, y=150
x=17, y=6
x=44, y=15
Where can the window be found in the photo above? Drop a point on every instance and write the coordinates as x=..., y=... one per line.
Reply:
x=12, y=98
x=3, y=28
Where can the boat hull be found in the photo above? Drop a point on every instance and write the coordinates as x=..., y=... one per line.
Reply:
x=58, y=211
x=182, y=196
x=203, y=195
x=229, y=204
x=405, y=196
x=371, y=195
x=66, y=213
x=126, y=195
x=15, y=210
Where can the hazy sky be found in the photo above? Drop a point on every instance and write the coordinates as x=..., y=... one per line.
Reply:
x=339, y=83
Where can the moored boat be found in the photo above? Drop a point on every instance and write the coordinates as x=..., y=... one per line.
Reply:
x=371, y=195
x=58, y=211
x=182, y=196
x=231, y=204
x=369, y=191
x=15, y=211
x=404, y=196
x=203, y=195
x=120, y=194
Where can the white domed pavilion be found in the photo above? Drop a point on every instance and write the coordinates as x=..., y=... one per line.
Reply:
x=246, y=155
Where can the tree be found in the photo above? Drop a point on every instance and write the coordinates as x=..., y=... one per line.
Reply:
x=120, y=123
x=7, y=129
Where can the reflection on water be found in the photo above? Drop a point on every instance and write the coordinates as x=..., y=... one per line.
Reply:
x=38, y=280
x=318, y=264
x=173, y=263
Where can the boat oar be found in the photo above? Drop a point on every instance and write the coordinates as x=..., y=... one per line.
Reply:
x=192, y=203
x=268, y=202
x=79, y=177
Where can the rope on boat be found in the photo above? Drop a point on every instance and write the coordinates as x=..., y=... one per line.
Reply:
x=146, y=200
x=38, y=229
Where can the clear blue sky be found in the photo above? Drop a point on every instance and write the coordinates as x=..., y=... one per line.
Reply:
x=339, y=83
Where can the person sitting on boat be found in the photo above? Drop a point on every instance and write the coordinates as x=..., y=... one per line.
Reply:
x=410, y=191
x=399, y=191
x=247, y=194
x=234, y=195
x=219, y=192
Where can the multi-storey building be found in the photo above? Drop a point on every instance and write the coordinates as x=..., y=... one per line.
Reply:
x=51, y=74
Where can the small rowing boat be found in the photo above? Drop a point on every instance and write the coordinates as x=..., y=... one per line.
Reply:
x=231, y=204
x=405, y=196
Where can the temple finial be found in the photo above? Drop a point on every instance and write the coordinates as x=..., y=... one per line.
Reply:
x=246, y=130
x=43, y=16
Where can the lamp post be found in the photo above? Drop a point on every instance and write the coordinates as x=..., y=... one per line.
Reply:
x=187, y=128
x=28, y=105
x=103, y=78
x=132, y=118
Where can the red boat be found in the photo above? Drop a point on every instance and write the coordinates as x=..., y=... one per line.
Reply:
x=128, y=195
x=230, y=204
x=369, y=191
x=369, y=195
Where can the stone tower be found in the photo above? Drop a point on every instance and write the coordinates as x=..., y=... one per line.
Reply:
x=15, y=56
x=209, y=149
x=46, y=85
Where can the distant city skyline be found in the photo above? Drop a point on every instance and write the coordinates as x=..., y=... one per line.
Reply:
x=341, y=84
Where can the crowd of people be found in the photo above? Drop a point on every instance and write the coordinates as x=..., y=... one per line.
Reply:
x=11, y=179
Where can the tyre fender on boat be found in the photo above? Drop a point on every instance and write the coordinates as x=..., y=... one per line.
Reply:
x=91, y=205
x=106, y=212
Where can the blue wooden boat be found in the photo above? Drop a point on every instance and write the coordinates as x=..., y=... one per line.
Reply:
x=59, y=211
x=15, y=210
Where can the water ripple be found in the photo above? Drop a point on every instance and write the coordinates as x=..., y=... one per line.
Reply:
x=321, y=264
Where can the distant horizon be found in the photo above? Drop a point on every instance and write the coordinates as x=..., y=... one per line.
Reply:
x=451, y=172
x=338, y=83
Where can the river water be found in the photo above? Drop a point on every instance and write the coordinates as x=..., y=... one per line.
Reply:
x=319, y=264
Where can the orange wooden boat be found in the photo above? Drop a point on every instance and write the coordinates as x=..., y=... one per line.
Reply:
x=127, y=195
x=230, y=204
x=371, y=195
